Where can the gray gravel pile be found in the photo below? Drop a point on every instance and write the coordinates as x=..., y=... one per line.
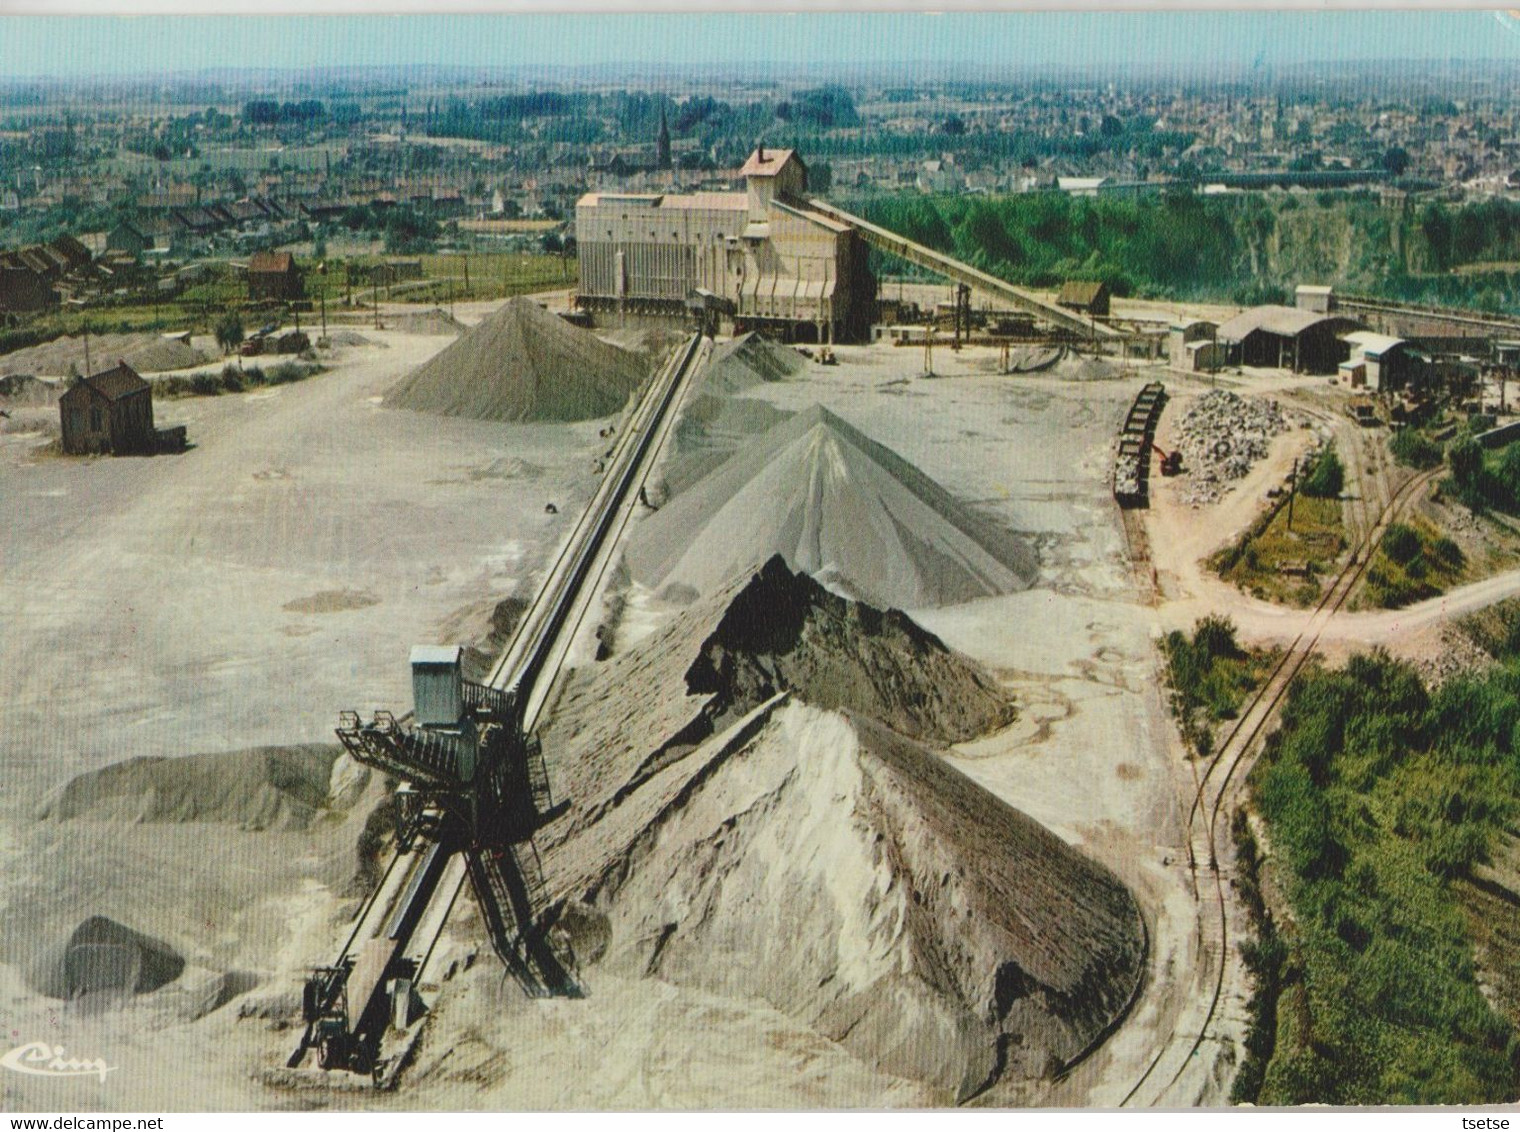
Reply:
x=523, y=364
x=836, y=504
x=1222, y=435
x=145, y=352
x=718, y=419
x=816, y=855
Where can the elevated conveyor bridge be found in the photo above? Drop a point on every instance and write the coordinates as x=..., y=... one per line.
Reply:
x=951, y=268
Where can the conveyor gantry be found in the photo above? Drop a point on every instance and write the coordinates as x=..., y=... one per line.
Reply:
x=474, y=789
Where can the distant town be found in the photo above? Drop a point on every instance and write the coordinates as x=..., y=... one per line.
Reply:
x=118, y=194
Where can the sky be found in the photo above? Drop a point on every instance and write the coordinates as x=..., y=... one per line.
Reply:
x=86, y=45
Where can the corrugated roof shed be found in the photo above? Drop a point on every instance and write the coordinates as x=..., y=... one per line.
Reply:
x=1289, y=322
x=1371, y=344
x=1082, y=292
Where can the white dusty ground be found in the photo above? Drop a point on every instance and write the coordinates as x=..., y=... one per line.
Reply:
x=242, y=593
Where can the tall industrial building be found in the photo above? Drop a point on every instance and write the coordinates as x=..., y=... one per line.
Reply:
x=761, y=257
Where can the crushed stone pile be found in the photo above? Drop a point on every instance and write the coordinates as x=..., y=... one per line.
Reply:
x=1075, y=367
x=746, y=361
x=809, y=855
x=1221, y=435
x=102, y=956
x=435, y=321
x=785, y=632
x=652, y=343
x=146, y=353
x=24, y=389
x=1034, y=359
x=523, y=364
x=260, y=788
x=836, y=504
x=351, y=338
x=718, y=419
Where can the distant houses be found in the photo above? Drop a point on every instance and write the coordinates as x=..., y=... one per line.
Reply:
x=30, y=277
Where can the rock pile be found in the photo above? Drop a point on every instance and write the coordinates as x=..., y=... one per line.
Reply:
x=100, y=956
x=146, y=352
x=718, y=419
x=838, y=505
x=523, y=364
x=259, y=788
x=1222, y=435
x=817, y=855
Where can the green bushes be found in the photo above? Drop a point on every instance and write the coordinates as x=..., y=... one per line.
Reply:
x=1411, y=564
x=1249, y=248
x=234, y=379
x=1413, y=449
x=1210, y=676
x=1485, y=481
x=1326, y=477
x=1377, y=793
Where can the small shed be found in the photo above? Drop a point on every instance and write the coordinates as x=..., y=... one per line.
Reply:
x=1388, y=363
x=1313, y=297
x=1085, y=295
x=438, y=685
x=1182, y=338
x=109, y=412
x=274, y=275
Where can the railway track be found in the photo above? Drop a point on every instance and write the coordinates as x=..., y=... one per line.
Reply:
x=1224, y=775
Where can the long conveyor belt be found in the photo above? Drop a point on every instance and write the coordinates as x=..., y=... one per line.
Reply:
x=398, y=926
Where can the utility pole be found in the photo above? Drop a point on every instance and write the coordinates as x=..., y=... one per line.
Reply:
x=1292, y=491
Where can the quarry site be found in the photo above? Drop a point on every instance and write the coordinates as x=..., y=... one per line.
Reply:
x=497, y=711
x=871, y=681
x=857, y=785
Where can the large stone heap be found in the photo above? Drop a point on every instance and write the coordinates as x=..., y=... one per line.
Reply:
x=1222, y=435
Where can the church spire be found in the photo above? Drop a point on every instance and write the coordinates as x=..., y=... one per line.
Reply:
x=662, y=143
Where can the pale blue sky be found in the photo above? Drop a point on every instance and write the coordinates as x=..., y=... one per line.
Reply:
x=143, y=45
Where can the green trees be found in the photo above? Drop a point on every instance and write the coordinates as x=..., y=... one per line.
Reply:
x=1378, y=794
x=229, y=332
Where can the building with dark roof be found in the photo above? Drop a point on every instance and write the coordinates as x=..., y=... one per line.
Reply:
x=274, y=275
x=22, y=289
x=1085, y=295
x=1287, y=338
x=108, y=412
x=128, y=237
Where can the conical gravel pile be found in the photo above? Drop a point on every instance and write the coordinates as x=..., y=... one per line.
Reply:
x=810, y=855
x=523, y=364
x=833, y=503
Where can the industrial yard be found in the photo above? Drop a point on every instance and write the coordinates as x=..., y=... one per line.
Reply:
x=331, y=535
x=889, y=630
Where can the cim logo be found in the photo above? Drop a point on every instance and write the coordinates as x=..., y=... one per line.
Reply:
x=43, y=1060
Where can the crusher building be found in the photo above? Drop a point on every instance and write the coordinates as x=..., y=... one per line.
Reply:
x=760, y=259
